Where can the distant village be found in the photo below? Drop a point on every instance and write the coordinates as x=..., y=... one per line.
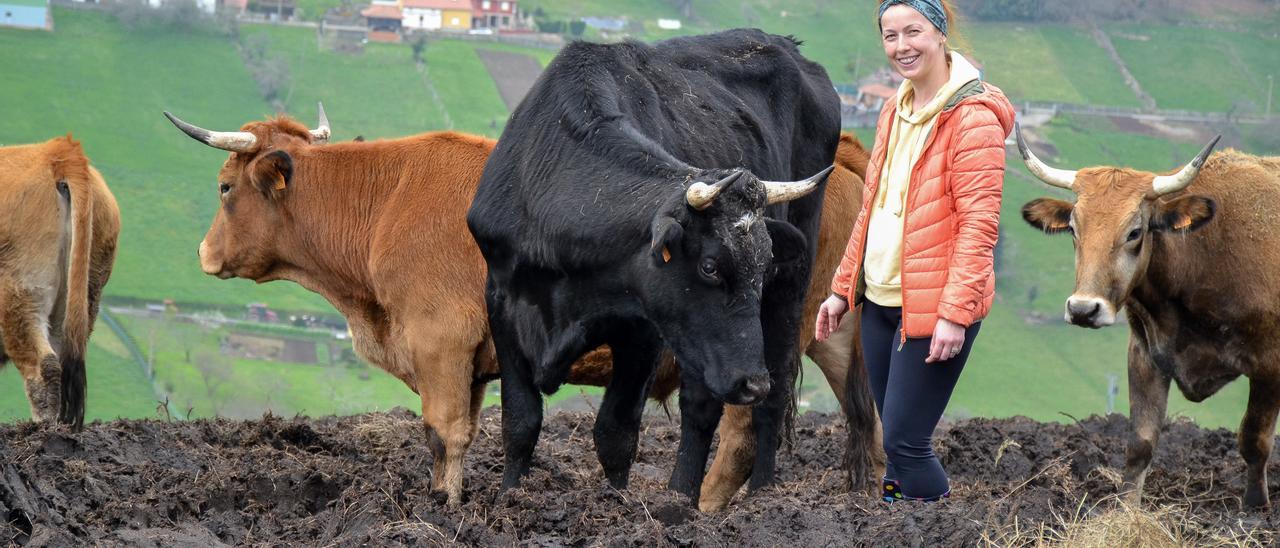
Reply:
x=398, y=20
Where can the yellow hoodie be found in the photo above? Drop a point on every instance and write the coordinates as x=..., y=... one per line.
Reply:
x=882, y=263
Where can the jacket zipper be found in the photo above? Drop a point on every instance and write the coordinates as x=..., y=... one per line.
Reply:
x=902, y=258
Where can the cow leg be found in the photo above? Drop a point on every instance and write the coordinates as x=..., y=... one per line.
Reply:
x=26, y=341
x=444, y=381
x=1257, y=432
x=699, y=413
x=521, y=401
x=782, y=304
x=734, y=457
x=841, y=362
x=1148, y=397
x=617, y=428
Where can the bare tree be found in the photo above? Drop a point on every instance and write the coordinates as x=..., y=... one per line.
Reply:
x=685, y=7
x=215, y=372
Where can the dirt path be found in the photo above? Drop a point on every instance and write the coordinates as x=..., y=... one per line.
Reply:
x=1104, y=41
x=514, y=73
x=357, y=480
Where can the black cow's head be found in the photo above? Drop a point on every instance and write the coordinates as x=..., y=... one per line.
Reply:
x=245, y=238
x=711, y=251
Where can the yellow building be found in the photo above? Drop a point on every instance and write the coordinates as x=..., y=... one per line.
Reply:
x=456, y=18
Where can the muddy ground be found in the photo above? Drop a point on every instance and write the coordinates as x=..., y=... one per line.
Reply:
x=363, y=480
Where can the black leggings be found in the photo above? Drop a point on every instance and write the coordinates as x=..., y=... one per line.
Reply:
x=911, y=396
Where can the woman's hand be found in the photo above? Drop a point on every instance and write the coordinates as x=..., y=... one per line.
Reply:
x=948, y=338
x=829, y=315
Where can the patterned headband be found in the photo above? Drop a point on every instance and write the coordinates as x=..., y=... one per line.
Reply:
x=930, y=9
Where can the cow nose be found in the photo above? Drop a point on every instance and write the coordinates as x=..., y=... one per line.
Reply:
x=751, y=390
x=1085, y=311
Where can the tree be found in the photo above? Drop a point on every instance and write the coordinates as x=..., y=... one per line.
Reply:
x=576, y=28
x=685, y=7
x=215, y=372
x=419, y=45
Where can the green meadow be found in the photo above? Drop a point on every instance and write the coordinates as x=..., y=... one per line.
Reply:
x=107, y=85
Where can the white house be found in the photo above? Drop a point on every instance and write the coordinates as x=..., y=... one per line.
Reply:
x=430, y=14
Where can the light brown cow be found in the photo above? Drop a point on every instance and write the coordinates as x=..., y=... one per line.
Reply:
x=378, y=228
x=1191, y=257
x=57, y=247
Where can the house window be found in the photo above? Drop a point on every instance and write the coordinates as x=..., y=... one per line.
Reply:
x=506, y=6
x=506, y=21
x=454, y=21
x=484, y=5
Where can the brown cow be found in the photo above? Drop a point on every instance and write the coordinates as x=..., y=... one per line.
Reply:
x=378, y=228
x=57, y=247
x=1195, y=268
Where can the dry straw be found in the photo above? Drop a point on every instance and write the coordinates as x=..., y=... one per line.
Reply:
x=1112, y=523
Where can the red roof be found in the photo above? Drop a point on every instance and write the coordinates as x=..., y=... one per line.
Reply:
x=438, y=4
x=382, y=11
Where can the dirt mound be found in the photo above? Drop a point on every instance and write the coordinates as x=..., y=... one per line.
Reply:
x=364, y=479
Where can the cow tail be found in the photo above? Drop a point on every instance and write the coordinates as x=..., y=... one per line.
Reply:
x=863, y=453
x=75, y=334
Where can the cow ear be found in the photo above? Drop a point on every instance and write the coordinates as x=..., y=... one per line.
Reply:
x=1186, y=213
x=272, y=172
x=789, y=244
x=1049, y=215
x=667, y=235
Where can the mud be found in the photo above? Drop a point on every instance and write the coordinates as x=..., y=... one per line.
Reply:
x=364, y=480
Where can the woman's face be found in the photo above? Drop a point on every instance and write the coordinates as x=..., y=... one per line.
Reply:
x=913, y=45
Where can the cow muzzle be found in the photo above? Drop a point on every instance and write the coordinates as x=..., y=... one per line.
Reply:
x=1090, y=312
x=749, y=391
x=208, y=265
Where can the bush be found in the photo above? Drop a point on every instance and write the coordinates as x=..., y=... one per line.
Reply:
x=171, y=15
x=550, y=26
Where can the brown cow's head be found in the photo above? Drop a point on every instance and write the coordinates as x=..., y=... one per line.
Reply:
x=1116, y=213
x=251, y=184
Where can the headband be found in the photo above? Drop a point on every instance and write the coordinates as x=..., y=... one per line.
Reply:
x=930, y=9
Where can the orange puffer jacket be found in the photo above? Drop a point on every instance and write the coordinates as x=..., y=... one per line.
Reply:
x=953, y=209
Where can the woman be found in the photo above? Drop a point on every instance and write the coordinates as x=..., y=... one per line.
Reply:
x=920, y=257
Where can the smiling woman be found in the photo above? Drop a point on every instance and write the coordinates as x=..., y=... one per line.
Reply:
x=923, y=302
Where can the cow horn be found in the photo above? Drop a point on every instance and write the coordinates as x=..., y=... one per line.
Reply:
x=700, y=195
x=1052, y=176
x=235, y=141
x=785, y=192
x=320, y=135
x=1165, y=184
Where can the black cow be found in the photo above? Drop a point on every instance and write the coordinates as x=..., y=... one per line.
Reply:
x=624, y=206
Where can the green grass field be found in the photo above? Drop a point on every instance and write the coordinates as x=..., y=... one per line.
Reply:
x=117, y=387
x=1201, y=69
x=109, y=85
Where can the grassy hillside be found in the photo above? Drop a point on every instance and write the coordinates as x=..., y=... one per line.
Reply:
x=117, y=387
x=1201, y=69
x=1042, y=63
x=108, y=86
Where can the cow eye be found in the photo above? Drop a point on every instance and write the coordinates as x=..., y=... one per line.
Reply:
x=224, y=188
x=708, y=268
x=1133, y=235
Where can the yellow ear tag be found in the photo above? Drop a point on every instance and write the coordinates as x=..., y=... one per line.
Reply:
x=666, y=255
x=280, y=182
x=1183, y=222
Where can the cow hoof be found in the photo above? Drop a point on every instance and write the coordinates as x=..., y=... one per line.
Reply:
x=1256, y=501
x=711, y=506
